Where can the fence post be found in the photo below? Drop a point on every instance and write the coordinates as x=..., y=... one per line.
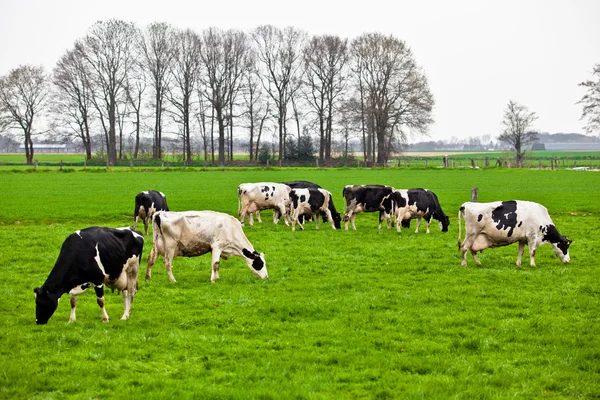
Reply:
x=130, y=163
x=445, y=160
x=474, y=194
x=539, y=163
x=472, y=163
x=84, y=163
x=487, y=162
x=35, y=165
x=552, y=164
x=317, y=161
x=61, y=165
x=425, y=163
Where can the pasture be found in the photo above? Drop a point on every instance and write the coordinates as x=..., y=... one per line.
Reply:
x=365, y=314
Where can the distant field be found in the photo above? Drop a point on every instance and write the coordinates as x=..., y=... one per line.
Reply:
x=412, y=159
x=366, y=314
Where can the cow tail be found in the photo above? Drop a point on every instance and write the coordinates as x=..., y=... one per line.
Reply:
x=460, y=211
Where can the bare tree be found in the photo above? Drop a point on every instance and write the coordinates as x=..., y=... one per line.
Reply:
x=325, y=61
x=22, y=98
x=186, y=69
x=158, y=47
x=254, y=105
x=201, y=117
x=516, y=129
x=136, y=86
x=225, y=57
x=396, y=92
x=280, y=53
x=72, y=104
x=591, y=102
x=108, y=50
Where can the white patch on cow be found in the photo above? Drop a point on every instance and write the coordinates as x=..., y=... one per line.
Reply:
x=79, y=289
x=162, y=194
x=78, y=233
x=146, y=192
x=98, y=261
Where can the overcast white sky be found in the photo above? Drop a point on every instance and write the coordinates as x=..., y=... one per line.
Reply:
x=477, y=54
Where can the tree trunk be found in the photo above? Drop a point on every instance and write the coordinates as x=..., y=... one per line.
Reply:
x=112, y=137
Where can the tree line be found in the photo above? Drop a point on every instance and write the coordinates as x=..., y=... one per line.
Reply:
x=118, y=78
x=279, y=86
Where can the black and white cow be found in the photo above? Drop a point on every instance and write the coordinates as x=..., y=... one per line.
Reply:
x=308, y=185
x=368, y=198
x=92, y=257
x=312, y=202
x=253, y=197
x=418, y=203
x=194, y=233
x=146, y=204
x=501, y=223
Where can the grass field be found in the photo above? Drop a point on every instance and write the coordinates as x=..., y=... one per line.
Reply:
x=365, y=314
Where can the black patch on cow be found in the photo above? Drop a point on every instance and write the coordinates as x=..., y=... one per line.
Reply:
x=551, y=235
x=479, y=217
x=294, y=198
x=157, y=220
x=520, y=223
x=146, y=200
x=301, y=185
x=257, y=262
x=505, y=216
x=302, y=198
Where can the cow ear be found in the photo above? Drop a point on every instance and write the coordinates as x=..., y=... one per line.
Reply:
x=248, y=254
x=569, y=241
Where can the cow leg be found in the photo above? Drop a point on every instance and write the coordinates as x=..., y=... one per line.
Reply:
x=352, y=221
x=146, y=226
x=474, y=254
x=135, y=221
x=428, y=220
x=418, y=225
x=216, y=254
x=72, y=318
x=168, y=260
x=466, y=245
x=329, y=218
x=286, y=218
x=151, y=260
x=388, y=220
x=532, y=248
x=100, y=300
x=133, y=269
x=520, y=253
x=251, y=219
x=258, y=216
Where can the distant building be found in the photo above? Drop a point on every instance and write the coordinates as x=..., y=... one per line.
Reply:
x=573, y=146
x=46, y=148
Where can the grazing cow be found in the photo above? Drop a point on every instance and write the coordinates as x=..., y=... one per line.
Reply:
x=92, y=257
x=193, y=233
x=501, y=223
x=263, y=196
x=418, y=203
x=308, y=185
x=242, y=188
x=146, y=204
x=368, y=198
x=309, y=202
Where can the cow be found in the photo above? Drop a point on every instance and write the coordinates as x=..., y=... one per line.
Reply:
x=368, y=198
x=263, y=196
x=308, y=185
x=418, y=203
x=242, y=188
x=194, y=233
x=309, y=202
x=146, y=204
x=92, y=257
x=501, y=223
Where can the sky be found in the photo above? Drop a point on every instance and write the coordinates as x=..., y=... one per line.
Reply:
x=477, y=54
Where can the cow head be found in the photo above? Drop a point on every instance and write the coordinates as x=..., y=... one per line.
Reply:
x=561, y=249
x=45, y=305
x=444, y=222
x=256, y=262
x=337, y=220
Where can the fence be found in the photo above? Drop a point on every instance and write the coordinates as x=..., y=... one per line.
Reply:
x=414, y=162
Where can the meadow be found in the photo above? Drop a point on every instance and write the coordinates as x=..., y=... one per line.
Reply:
x=359, y=314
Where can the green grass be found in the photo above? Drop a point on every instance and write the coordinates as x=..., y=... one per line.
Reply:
x=366, y=314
